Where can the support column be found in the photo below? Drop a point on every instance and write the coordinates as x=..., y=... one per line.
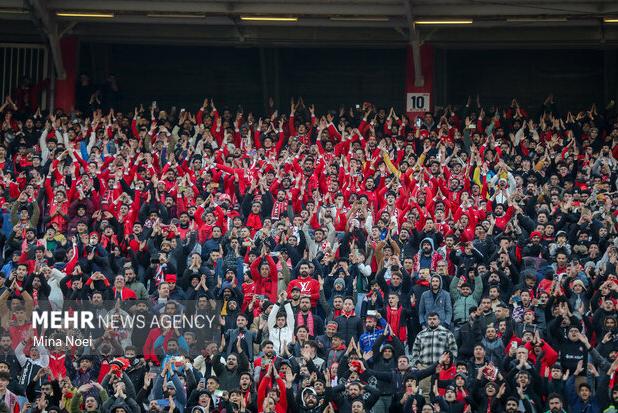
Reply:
x=65, y=88
x=419, y=69
x=419, y=99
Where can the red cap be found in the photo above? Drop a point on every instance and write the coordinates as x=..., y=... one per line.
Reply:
x=96, y=234
x=535, y=234
x=170, y=278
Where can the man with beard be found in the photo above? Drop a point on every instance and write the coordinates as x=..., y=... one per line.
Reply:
x=427, y=256
x=429, y=345
x=239, y=336
x=554, y=402
x=313, y=322
x=308, y=285
x=281, y=206
x=512, y=405
x=261, y=363
x=436, y=300
x=306, y=401
x=229, y=373
x=320, y=239
x=345, y=395
x=7, y=355
x=141, y=313
x=503, y=215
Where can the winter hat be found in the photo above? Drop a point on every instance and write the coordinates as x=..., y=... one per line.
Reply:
x=386, y=347
x=307, y=390
x=578, y=282
x=462, y=375
x=118, y=365
x=265, y=305
x=535, y=234
x=340, y=282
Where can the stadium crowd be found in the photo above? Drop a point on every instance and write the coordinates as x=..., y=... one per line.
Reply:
x=356, y=260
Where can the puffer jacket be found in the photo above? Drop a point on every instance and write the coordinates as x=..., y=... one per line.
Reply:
x=281, y=336
x=462, y=305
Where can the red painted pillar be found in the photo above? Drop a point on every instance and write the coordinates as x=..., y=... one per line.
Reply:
x=65, y=89
x=419, y=99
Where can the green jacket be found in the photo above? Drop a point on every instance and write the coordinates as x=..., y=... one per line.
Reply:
x=461, y=304
x=76, y=401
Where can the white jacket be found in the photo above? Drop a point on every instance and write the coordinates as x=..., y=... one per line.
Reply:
x=281, y=336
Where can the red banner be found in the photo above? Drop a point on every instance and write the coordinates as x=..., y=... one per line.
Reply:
x=65, y=89
x=419, y=99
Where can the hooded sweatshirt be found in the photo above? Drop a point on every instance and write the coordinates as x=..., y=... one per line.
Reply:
x=436, y=301
x=426, y=261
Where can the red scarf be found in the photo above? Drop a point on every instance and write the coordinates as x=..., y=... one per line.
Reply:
x=254, y=222
x=347, y=314
x=300, y=321
x=423, y=282
x=393, y=317
x=279, y=209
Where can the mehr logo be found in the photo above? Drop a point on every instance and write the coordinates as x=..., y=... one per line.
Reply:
x=80, y=320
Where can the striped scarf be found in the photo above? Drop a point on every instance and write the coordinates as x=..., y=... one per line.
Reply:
x=279, y=209
x=300, y=321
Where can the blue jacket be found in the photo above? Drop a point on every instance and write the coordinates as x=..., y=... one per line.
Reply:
x=367, y=339
x=180, y=399
x=439, y=303
x=576, y=404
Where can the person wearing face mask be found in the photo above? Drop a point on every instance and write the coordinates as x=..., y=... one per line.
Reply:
x=136, y=368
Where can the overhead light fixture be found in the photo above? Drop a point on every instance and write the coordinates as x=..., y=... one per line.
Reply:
x=176, y=16
x=610, y=20
x=268, y=19
x=85, y=14
x=444, y=22
x=359, y=19
x=13, y=11
x=536, y=20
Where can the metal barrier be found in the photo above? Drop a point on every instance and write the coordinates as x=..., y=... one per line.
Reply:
x=23, y=60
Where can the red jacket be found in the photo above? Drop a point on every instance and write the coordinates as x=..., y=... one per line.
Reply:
x=265, y=285
x=550, y=356
x=125, y=294
x=308, y=286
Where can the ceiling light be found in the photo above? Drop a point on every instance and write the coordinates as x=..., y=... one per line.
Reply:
x=359, y=19
x=610, y=20
x=176, y=16
x=90, y=15
x=13, y=11
x=444, y=22
x=536, y=20
x=268, y=19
